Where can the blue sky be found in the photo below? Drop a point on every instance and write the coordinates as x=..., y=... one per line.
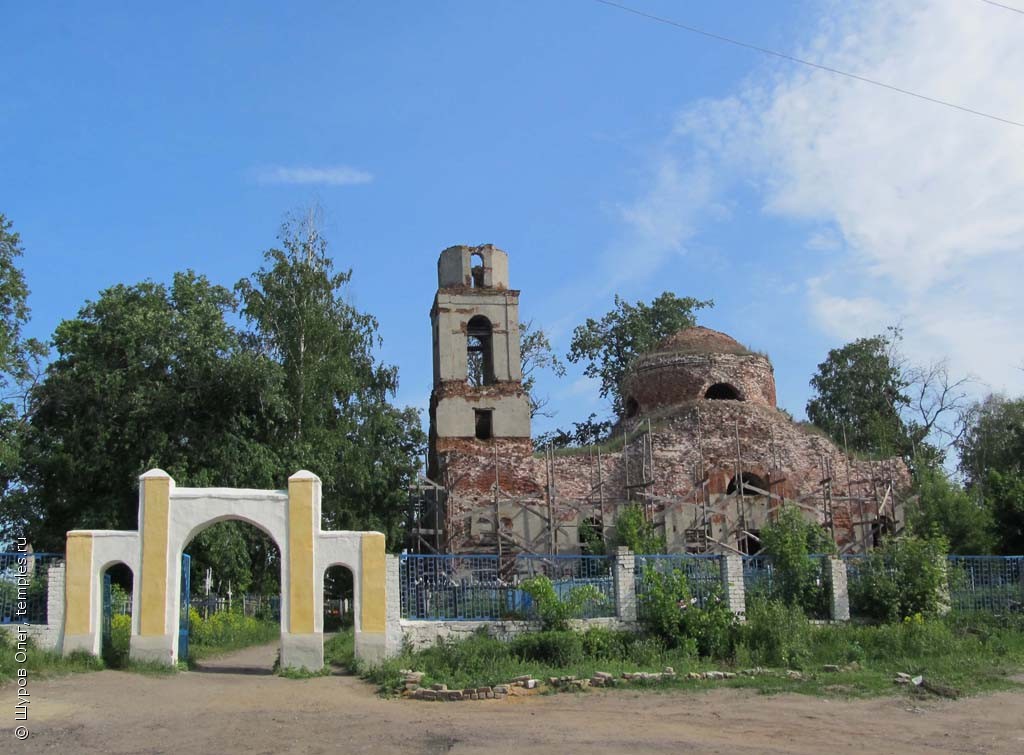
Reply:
x=606, y=153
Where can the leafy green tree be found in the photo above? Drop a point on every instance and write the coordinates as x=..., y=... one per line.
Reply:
x=992, y=463
x=636, y=533
x=870, y=396
x=337, y=418
x=859, y=390
x=607, y=346
x=153, y=375
x=906, y=576
x=1004, y=495
x=790, y=540
x=146, y=376
x=591, y=539
x=239, y=556
x=585, y=433
x=18, y=356
x=535, y=353
x=943, y=508
x=555, y=610
x=993, y=439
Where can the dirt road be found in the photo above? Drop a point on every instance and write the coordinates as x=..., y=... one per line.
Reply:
x=234, y=705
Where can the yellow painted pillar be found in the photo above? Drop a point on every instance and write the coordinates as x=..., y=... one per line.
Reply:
x=302, y=640
x=371, y=630
x=373, y=583
x=81, y=630
x=157, y=640
x=154, y=521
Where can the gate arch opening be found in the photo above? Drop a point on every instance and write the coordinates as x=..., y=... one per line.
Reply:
x=117, y=588
x=234, y=566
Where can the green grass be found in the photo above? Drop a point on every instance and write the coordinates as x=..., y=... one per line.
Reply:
x=968, y=656
x=226, y=631
x=339, y=650
x=42, y=663
x=302, y=673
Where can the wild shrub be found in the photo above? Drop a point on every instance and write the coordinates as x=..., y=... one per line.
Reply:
x=229, y=629
x=553, y=611
x=777, y=634
x=649, y=651
x=636, y=533
x=798, y=579
x=554, y=648
x=476, y=656
x=914, y=636
x=115, y=653
x=905, y=576
x=664, y=597
x=606, y=644
x=670, y=612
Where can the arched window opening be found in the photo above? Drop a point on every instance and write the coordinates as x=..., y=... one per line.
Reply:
x=476, y=270
x=632, y=407
x=723, y=392
x=118, y=583
x=479, y=352
x=339, y=593
x=752, y=485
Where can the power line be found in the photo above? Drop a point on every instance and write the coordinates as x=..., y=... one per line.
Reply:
x=1001, y=5
x=801, y=61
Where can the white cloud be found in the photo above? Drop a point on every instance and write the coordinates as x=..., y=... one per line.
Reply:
x=918, y=209
x=337, y=175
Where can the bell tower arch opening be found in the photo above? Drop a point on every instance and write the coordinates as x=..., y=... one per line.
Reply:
x=479, y=352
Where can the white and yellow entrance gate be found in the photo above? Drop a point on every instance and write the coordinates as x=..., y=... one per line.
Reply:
x=169, y=517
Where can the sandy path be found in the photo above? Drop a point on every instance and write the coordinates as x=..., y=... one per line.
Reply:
x=231, y=707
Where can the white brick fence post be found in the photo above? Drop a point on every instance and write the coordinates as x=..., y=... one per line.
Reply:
x=733, y=590
x=839, y=604
x=625, y=584
x=392, y=606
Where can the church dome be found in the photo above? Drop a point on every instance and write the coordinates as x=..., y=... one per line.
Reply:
x=697, y=364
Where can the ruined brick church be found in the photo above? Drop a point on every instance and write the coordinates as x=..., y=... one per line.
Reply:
x=701, y=445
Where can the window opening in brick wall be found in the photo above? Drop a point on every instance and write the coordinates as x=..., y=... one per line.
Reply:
x=483, y=418
x=723, y=392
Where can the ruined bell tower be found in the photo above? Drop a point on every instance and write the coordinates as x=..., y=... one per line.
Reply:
x=477, y=403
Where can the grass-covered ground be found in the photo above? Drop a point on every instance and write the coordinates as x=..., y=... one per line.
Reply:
x=961, y=655
x=41, y=663
x=226, y=631
x=222, y=633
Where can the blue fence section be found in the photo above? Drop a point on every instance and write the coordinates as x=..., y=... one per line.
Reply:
x=467, y=587
x=976, y=583
x=703, y=574
x=758, y=575
x=986, y=583
x=24, y=586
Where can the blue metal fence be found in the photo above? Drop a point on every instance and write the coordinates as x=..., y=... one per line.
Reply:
x=703, y=574
x=24, y=586
x=455, y=587
x=758, y=575
x=986, y=583
x=467, y=587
